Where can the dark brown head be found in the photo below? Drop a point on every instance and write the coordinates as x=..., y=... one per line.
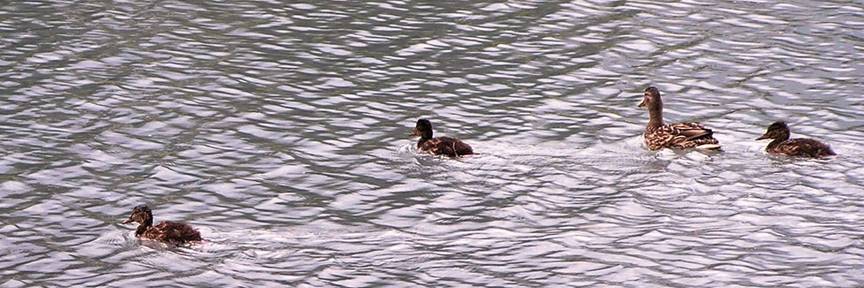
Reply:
x=777, y=130
x=140, y=214
x=423, y=129
x=651, y=98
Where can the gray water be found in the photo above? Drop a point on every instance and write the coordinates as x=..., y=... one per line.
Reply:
x=279, y=130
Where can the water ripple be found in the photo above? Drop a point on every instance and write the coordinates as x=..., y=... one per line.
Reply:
x=280, y=131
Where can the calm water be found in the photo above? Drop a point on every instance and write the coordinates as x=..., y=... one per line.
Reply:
x=280, y=132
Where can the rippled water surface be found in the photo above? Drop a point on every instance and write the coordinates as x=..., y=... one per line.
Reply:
x=279, y=130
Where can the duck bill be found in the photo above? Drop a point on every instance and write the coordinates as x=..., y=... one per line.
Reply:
x=130, y=220
x=642, y=104
x=763, y=137
x=415, y=133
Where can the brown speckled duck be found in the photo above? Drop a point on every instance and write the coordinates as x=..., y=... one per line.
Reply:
x=659, y=135
x=447, y=146
x=166, y=231
x=793, y=147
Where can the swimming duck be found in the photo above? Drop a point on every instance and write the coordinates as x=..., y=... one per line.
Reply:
x=441, y=145
x=793, y=147
x=165, y=231
x=676, y=136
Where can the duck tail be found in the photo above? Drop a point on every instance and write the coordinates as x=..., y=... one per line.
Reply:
x=709, y=147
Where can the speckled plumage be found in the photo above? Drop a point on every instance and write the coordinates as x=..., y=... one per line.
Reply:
x=678, y=136
x=166, y=231
x=446, y=146
x=659, y=135
x=801, y=147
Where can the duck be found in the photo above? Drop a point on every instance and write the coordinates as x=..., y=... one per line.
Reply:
x=685, y=135
x=166, y=231
x=801, y=147
x=446, y=146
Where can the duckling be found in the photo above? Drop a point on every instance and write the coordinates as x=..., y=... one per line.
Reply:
x=165, y=231
x=803, y=147
x=675, y=136
x=448, y=146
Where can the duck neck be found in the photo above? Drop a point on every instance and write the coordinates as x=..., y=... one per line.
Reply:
x=426, y=136
x=781, y=137
x=148, y=222
x=655, y=116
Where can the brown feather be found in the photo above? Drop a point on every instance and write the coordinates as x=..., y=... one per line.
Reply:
x=804, y=147
x=801, y=147
x=441, y=145
x=675, y=136
x=678, y=136
x=166, y=231
x=446, y=146
x=172, y=232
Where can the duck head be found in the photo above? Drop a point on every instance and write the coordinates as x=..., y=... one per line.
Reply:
x=140, y=214
x=777, y=130
x=651, y=98
x=423, y=129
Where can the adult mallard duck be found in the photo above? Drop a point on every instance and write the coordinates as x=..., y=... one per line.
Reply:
x=793, y=147
x=166, y=231
x=659, y=135
x=440, y=145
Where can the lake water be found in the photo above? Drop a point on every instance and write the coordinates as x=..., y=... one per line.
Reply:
x=280, y=131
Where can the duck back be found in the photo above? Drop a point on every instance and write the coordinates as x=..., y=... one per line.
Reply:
x=172, y=232
x=802, y=147
x=447, y=146
x=685, y=135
